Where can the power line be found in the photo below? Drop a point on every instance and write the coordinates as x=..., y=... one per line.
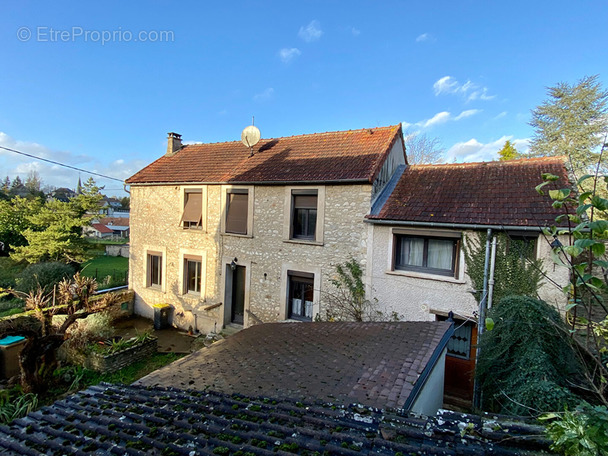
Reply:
x=61, y=164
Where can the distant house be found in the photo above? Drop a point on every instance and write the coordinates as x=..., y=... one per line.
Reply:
x=62, y=194
x=118, y=225
x=97, y=230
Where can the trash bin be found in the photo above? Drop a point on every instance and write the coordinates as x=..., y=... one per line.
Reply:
x=161, y=316
x=10, y=348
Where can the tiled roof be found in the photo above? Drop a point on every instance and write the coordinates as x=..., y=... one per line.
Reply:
x=101, y=228
x=491, y=193
x=120, y=221
x=113, y=419
x=376, y=364
x=354, y=155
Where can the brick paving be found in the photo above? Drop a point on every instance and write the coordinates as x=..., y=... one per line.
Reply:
x=374, y=364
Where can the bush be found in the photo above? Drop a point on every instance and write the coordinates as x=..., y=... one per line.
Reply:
x=45, y=275
x=527, y=360
x=93, y=328
x=582, y=432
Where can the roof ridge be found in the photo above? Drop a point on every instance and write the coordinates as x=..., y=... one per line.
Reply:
x=387, y=127
x=518, y=161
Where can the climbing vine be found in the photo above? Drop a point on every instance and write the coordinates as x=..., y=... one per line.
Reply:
x=516, y=270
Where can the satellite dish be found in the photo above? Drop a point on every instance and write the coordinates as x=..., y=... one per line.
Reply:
x=250, y=136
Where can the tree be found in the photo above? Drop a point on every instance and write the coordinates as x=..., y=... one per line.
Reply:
x=573, y=122
x=44, y=335
x=55, y=231
x=421, y=148
x=125, y=203
x=33, y=184
x=15, y=221
x=508, y=152
x=17, y=187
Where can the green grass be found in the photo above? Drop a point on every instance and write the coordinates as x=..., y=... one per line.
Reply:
x=129, y=374
x=108, y=241
x=102, y=266
x=9, y=269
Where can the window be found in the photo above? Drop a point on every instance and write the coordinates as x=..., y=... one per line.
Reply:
x=192, y=274
x=155, y=270
x=300, y=297
x=461, y=343
x=193, y=209
x=237, y=205
x=433, y=255
x=304, y=215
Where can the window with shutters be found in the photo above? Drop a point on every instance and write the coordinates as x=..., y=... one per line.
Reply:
x=192, y=217
x=237, y=211
x=304, y=209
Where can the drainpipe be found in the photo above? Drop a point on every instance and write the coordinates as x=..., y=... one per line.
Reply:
x=492, y=265
x=482, y=318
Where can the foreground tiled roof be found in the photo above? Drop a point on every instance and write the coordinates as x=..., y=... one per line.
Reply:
x=491, y=193
x=375, y=364
x=330, y=157
x=113, y=419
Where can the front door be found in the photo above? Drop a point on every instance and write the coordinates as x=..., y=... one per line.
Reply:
x=238, y=296
x=460, y=362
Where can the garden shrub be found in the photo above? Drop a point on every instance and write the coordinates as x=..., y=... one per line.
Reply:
x=45, y=275
x=527, y=360
x=91, y=329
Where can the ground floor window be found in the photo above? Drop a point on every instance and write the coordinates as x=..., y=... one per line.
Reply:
x=155, y=270
x=192, y=274
x=426, y=254
x=300, y=297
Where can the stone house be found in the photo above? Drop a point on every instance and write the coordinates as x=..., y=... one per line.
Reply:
x=420, y=228
x=229, y=235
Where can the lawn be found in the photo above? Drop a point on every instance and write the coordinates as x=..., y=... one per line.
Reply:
x=102, y=266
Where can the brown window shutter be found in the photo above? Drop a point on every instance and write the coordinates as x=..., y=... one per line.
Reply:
x=305, y=201
x=236, y=219
x=193, y=208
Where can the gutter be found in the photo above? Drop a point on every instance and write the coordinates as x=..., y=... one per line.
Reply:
x=424, y=376
x=458, y=226
x=315, y=182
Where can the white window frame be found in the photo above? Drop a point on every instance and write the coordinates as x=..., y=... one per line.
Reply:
x=286, y=268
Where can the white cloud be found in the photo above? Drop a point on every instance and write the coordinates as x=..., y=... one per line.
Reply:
x=355, y=31
x=13, y=165
x=469, y=90
x=500, y=116
x=265, y=95
x=439, y=118
x=425, y=37
x=288, y=54
x=475, y=151
x=312, y=32
x=467, y=113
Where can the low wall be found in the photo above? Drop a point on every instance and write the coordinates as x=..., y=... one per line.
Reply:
x=118, y=250
x=124, y=358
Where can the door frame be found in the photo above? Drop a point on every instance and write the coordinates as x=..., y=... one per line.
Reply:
x=227, y=289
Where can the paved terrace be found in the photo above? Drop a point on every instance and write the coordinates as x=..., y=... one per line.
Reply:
x=374, y=364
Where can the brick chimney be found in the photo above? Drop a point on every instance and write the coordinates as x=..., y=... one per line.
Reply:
x=174, y=143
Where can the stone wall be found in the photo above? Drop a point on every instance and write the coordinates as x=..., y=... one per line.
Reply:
x=266, y=252
x=417, y=296
x=118, y=250
x=124, y=358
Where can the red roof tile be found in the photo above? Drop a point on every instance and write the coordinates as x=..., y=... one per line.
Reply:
x=117, y=221
x=491, y=193
x=353, y=155
x=101, y=228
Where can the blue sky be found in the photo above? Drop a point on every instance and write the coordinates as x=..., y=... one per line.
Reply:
x=466, y=72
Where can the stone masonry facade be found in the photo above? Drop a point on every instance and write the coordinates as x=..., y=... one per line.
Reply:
x=266, y=252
